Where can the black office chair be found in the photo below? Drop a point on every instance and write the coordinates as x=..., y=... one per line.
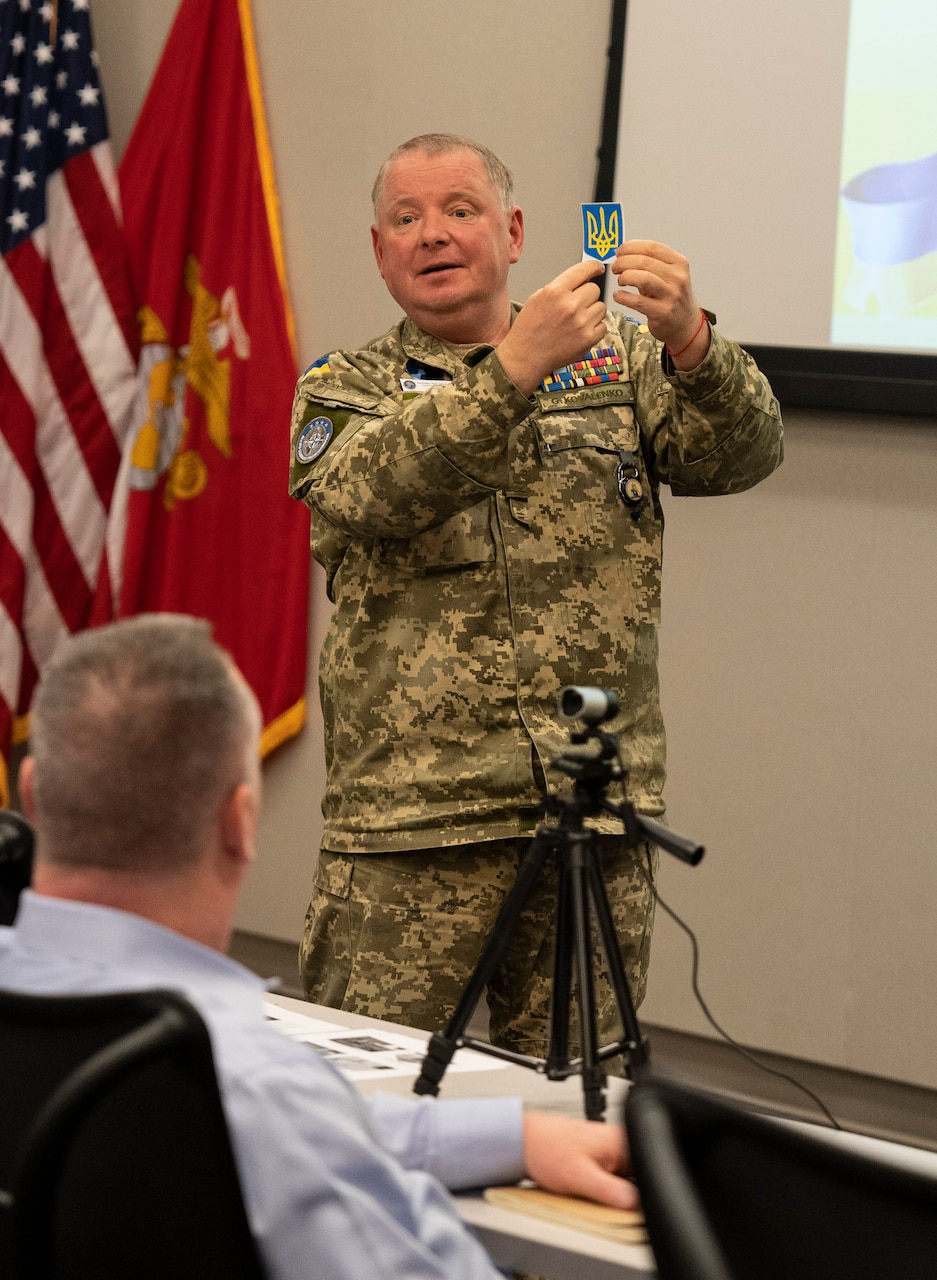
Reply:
x=730, y=1194
x=115, y=1158
x=16, y=861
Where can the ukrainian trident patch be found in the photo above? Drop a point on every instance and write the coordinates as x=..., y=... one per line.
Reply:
x=602, y=231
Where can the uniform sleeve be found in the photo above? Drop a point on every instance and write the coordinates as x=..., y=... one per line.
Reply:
x=393, y=465
x=714, y=430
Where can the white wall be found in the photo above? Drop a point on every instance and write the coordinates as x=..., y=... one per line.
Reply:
x=798, y=673
x=800, y=690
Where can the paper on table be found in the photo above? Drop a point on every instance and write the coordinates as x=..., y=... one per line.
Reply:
x=366, y=1053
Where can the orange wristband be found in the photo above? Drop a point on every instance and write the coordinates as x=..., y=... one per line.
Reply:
x=699, y=329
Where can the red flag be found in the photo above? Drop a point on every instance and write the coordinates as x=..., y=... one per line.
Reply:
x=210, y=529
x=68, y=342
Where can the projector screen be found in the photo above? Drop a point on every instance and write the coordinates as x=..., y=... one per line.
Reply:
x=790, y=151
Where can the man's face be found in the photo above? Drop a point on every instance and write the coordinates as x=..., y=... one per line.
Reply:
x=443, y=244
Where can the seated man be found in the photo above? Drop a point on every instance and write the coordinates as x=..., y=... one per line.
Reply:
x=143, y=786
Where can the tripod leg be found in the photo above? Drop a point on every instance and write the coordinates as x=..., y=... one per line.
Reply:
x=636, y=1055
x=593, y=1076
x=558, y=1051
x=442, y=1047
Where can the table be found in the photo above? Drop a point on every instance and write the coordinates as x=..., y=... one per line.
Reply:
x=520, y=1242
x=515, y=1241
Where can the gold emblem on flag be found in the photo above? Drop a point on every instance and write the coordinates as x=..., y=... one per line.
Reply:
x=159, y=448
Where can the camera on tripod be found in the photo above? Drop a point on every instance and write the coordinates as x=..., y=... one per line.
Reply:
x=585, y=702
x=592, y=770
x=582, y=904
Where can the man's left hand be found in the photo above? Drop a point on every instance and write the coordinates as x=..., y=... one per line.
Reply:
x=665, y=297
x=579, y=1158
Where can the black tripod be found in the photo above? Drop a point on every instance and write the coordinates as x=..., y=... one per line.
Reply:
x=580, y=886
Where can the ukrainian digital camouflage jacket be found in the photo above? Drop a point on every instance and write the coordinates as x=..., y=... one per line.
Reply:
x=480, y=557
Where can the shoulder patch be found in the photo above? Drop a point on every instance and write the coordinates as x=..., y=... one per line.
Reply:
x=318, y=367
x=313, y=439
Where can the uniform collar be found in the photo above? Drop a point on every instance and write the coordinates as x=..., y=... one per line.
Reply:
x=423, y=346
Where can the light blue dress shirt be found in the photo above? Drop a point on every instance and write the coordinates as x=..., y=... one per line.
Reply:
x=334, y=1186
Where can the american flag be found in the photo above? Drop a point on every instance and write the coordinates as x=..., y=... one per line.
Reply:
x=68, y=341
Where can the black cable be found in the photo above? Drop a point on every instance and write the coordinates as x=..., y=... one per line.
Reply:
x=745, y=1053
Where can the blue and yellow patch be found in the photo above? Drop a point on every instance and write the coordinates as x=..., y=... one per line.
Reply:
x=602, y=231
x=318, y=367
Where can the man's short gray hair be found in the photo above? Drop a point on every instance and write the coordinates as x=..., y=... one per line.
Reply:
x=139, y=730
x=438, y=144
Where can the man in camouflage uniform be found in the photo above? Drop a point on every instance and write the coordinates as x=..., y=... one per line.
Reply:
x=489, y=520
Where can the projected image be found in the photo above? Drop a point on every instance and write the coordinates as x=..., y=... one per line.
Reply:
x=885, y=290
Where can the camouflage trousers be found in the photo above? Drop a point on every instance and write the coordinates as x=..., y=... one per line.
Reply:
x=398, y=936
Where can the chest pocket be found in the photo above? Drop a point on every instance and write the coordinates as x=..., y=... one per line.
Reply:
x=581, y=451
x=576, y=506
x=595, y=417
x=463, y=540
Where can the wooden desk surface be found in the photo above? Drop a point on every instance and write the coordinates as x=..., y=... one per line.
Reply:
x=515, y=1241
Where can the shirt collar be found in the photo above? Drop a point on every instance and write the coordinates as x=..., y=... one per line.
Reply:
x=94, y=934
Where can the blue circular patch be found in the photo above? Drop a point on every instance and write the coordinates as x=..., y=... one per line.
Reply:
x=313, y=439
